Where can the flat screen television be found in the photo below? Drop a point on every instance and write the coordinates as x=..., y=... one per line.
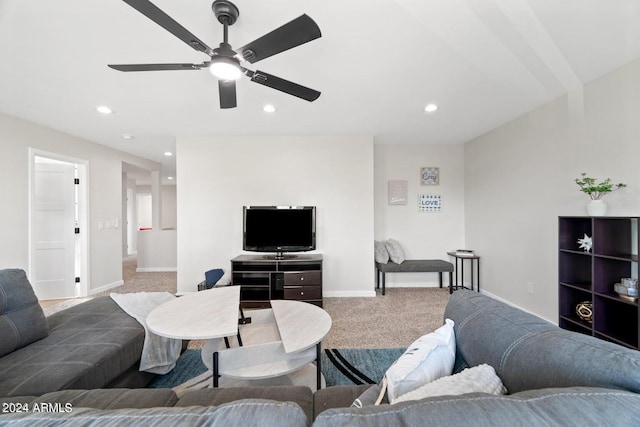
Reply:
x=279, y=229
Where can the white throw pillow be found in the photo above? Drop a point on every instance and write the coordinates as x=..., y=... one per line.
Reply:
x=429, y=357
x=380, y=250
x=396, y=253
x=479, y=379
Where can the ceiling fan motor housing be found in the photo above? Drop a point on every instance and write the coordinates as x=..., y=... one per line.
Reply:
x=225, y=11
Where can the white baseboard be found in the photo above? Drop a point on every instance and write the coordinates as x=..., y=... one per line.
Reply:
x=415, y=285
x=155, y=269
x=106, y=287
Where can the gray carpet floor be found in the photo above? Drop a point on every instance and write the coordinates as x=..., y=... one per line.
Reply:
x=393, y=320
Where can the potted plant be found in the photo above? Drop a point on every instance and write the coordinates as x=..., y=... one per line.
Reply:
x=596, y=191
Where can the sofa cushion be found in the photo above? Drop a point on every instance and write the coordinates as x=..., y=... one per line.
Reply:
x=381, y=254
x=528, y=352
x=240, y=413
x=396, y=253
x=89, y=345
x=479, y=379
x=111, y=398
x=371, y=396
x=546, y=407
x=300, y=395
x=337, y=396
x=21, y=318
x=426, y=359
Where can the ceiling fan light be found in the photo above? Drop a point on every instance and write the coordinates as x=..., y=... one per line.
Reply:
x=224, y=68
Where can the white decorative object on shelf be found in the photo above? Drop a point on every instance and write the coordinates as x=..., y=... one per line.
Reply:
x=596, y=208
x=596, y=191
x=465, y=252
x=585, y=243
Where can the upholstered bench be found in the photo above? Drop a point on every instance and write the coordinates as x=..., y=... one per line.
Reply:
x=414, y=266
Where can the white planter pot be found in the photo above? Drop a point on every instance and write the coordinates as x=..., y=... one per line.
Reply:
x=596, y=208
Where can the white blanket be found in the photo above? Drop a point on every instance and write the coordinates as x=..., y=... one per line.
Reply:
x=159, y=354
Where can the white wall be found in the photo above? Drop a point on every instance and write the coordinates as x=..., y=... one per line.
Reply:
x=157, y=250
x=105, y=189
x=422, y=235
x=520, y=177
x=169, y=207
x=218, y=176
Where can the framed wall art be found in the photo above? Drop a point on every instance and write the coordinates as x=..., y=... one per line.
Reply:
x=398, y=192
x=429, y=176
x=429, y=203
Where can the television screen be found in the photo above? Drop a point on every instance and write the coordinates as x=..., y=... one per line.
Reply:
x=279, y=228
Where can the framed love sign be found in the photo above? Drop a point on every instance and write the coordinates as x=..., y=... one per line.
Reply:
x=429, y=203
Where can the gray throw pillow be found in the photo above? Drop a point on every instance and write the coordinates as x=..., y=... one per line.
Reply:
x=396, y=253
x=21, y=318
x=381, y=254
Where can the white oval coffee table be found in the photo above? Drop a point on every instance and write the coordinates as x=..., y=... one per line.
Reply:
x=278, y=341
x=201, y=315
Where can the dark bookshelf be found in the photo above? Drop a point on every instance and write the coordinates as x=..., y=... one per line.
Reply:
x=591, y=275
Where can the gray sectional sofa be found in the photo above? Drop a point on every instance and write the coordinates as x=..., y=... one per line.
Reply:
x=92, y=345
x=553, y=377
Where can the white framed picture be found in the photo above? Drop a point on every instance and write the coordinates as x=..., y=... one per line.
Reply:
x=429, y=203
x=430, y=176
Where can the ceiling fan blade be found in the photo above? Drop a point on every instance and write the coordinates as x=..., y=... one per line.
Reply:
x=299, y=31
x=155, y=67
x=227, y=91
x=152, y=12
x=283, y=85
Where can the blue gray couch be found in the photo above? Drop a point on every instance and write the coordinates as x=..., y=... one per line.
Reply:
x=554, y=377
x=92, y=345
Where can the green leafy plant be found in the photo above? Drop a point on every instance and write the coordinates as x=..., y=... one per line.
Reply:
x=597, y=190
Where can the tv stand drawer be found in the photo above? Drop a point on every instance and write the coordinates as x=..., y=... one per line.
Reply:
x=303, y=278
x=302, y=292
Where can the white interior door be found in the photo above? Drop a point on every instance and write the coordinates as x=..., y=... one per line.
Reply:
x=144, y=209
x=131, y=224
x=53, y=222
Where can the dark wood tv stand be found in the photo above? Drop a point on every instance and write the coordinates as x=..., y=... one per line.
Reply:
x=265, y=277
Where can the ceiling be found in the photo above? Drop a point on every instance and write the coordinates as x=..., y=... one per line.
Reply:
x=378, y=63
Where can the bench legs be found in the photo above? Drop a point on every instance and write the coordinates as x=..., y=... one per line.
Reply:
x=382, y=274
x=378, y=274
x=450, y=281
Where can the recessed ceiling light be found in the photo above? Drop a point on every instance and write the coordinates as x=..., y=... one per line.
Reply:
x=168, y=153
x=103, y=109
x=170, y=178
x=430, y=108
x=269, y=108
x=127, y=136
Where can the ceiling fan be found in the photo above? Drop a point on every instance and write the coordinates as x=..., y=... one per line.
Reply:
x=225, y=63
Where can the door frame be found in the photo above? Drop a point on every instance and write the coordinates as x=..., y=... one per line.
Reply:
x=82, y=270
